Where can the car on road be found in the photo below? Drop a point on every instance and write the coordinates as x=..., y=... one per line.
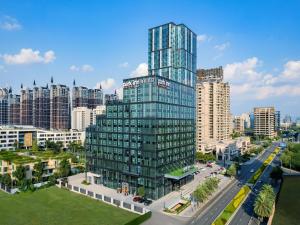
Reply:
x=252, y=171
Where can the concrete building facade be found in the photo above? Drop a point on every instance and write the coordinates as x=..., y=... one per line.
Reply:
x=213, y=119
x=264, y=121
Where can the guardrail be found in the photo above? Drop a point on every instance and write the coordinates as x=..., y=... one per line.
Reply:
x=106, y=199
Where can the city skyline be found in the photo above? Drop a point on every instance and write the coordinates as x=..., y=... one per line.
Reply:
x=78, y=41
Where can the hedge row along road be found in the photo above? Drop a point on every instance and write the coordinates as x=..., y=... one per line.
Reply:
x=239, y=198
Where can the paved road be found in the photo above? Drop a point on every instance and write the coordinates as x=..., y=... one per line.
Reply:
x=245, y=214
x=214, y=208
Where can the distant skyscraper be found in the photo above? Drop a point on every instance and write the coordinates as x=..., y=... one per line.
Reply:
x=4, y=93
x=277, y=121
x=264, y=122
x=111, y=97
x=26, y=107
x=14, y=109
x=141, y=140
x=239, y=124
x=59, y=107
x=81, y=118
x=84, y=97
x=95, y=98
x=213, y=121
x=41, y=107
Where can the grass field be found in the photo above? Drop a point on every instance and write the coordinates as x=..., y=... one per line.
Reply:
x=287, y=207
x=54, y=206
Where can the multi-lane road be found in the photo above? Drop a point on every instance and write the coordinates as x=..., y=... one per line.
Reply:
x=215, y=207
x=245, y=215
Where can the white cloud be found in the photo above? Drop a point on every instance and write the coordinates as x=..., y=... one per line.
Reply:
x=28, y=56
x=239, y=72
x=84, y=68
x=291, y=70
x=247, y=82
x=107, y=84
x=74, y=68
x=141, y=70
x=87, y=68
x=9, y=23
x=222, y=47
x=124, y=65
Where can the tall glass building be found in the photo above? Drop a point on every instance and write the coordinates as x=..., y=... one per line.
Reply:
x=147, y=139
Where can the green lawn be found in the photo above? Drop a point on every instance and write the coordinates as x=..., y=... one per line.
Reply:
x=287, y=207
x=53, y=206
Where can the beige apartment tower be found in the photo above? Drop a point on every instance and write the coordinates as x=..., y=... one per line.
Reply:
x=264, y=121
x=213, y=122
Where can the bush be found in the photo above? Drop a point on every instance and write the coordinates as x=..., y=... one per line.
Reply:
x=232, y=206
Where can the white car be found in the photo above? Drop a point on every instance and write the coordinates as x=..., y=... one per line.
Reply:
x=252, y=171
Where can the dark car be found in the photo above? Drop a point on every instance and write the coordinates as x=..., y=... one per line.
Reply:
x=147, y=202
x=142, y=200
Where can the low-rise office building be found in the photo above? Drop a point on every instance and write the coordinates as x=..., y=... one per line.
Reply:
x=12, y=137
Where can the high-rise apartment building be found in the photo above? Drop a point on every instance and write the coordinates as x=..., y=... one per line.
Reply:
x=4, y=105
x=239, y=124
x=213, y=119
x=95, y=98
x=264, y=122
x=59, y=107
x=99, y=110
x=111, y=97
x=41, y=107
x=26, y=107
x=14, y=109
x=84, y=97
x=81, y=118
x=143, y=139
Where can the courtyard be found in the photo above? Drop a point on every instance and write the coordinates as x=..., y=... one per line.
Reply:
x=54, y=206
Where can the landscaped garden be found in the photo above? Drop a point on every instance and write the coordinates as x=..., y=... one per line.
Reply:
x=287, y=207
x=54, y=206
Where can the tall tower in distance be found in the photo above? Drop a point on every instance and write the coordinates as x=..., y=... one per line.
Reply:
x=59, y=107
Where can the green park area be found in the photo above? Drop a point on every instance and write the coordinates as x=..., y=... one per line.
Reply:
x=54, y=206
x=287, y=207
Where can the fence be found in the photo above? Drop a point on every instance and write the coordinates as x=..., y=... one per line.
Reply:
x=107, y=199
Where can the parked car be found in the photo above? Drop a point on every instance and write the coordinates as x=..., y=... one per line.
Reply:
x=142, y=200
x=252, y=171
x=147, y=202
x=136, y=198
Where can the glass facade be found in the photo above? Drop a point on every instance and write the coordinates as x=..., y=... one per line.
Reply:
x=150, y=133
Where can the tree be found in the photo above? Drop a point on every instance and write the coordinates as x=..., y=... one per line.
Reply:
x=201, y=157
x=263, y=205
x=264, y=201
x=38, y=171
x=141, y=191
x=6, y=180
x=64, y=168
x=35, y=146
x=231, y=171
x=20, y=174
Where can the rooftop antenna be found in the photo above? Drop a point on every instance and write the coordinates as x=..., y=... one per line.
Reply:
x=21, y=86
x=34, y=83
x=51, y=80
x=74, y=83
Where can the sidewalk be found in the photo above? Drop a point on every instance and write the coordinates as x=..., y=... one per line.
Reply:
x=192, y=209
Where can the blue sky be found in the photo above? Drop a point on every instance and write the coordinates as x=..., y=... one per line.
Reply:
x=257, y=43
